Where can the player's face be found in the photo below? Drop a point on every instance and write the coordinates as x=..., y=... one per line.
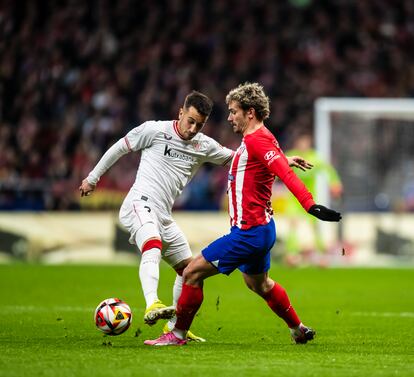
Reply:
x=238, y=118
x=190, y=122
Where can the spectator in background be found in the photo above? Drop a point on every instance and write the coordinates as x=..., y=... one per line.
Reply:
x=77, y=72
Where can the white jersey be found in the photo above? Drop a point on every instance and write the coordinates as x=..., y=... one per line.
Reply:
x=168, y=162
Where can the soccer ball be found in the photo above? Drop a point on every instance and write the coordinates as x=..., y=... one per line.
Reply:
x=113, y=316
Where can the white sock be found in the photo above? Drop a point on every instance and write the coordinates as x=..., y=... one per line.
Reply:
x=149, y=274
x=295, y=330
x=180, y=334
x=177, y=288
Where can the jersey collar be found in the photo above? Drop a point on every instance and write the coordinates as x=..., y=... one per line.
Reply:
x=176, y=129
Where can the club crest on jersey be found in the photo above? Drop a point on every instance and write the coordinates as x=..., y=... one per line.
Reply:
x=198, y=145
x=231, y=177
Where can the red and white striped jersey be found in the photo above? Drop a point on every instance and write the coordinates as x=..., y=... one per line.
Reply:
x=253, y=169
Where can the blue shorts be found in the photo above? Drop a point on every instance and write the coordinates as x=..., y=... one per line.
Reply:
x=248, y=250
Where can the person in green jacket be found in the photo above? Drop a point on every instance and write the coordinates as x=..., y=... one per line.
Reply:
x=295, y=252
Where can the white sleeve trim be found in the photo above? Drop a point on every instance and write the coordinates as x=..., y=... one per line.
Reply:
x=112, y=155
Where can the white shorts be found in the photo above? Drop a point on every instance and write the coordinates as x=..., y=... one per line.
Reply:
x=144, y=221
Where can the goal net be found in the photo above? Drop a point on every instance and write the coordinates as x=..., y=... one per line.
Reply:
x=371, y=144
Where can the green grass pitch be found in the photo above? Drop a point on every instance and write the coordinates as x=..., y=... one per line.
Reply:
x=364, y=320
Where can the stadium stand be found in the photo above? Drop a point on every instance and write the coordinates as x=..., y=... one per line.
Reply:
x=77, y=75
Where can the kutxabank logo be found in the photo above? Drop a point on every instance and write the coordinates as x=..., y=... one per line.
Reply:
x=170, y=152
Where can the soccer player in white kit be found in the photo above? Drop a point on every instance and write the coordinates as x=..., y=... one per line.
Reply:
x=172, y=152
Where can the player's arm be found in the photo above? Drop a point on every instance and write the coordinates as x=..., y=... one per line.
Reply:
x=217, y=154
x=229, y=157
x=278, y=164
x=112, y=155
x=281, y=168
x=138, y=138
x=299, y=162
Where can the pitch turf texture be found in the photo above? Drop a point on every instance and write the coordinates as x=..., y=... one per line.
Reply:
x=364, y=320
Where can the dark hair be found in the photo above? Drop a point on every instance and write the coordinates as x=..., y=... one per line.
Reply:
x=200, y=102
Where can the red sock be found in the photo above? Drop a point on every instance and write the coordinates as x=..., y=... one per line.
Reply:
x=187, y=306
x=279, y=302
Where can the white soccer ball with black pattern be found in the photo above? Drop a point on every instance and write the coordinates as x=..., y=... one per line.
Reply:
x=113, y=316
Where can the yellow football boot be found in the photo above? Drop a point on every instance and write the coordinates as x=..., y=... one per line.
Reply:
x=158, y=311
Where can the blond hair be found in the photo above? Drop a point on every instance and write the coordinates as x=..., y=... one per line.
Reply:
x=251, y=95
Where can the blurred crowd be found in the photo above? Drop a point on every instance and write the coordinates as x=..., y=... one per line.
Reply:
x=76, y=75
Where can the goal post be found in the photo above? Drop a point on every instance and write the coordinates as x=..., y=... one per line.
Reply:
x=367, y=108
x=370, y=142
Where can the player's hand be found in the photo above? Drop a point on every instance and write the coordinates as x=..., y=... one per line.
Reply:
x=86, y=188
x=323, y=213
x=299, y=162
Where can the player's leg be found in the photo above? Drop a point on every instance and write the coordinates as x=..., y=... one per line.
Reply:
x=192, y=293
x=277, y=299
x=275, y=296
x=149, y=277
x=189, y=302
x=255, y=275
x=292, y=256
x=177, y=254
x=177, y=289
x=220, y=256
x=139, y=218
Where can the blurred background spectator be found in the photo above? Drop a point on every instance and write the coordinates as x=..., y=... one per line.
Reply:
x=76, y=75
x=310, y=252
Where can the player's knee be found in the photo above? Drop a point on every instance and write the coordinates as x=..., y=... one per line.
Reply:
x=191, y=276
x=260, y=288
x=179, y=271
x=188, y=274
x=253, y=287
x=198, y=270
x=179, y=267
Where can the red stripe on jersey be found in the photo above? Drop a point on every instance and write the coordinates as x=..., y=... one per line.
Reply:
x=127, y=143
x=177, y=130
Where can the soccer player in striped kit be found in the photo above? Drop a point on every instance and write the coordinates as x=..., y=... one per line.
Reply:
x=253, y=169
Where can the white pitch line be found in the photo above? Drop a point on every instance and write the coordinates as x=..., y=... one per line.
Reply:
x=32, y=308
x=384, y=314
